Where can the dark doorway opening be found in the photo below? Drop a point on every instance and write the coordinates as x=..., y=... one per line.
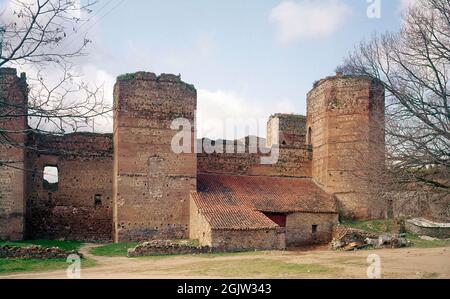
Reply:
x=278, y=218
x=314, y=231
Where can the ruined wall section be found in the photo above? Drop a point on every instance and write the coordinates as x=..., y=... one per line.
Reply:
x=346, y=123
x=152, y=183
x=199, y=228
x=293, y=161
x=286, y=129
x=80, y=207
x=285, y=134
x=13, y=123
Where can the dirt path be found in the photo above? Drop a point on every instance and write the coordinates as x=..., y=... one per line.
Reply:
x=395, y=263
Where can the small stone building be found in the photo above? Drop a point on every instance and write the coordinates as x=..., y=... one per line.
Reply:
x=231, y=211
x=132, y=186
x=425, y=227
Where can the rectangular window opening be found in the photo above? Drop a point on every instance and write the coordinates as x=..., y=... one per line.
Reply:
x=98, y=200
x=50, y=178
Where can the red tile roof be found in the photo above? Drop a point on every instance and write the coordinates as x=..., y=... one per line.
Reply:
x=236, y=202
x=231, y=217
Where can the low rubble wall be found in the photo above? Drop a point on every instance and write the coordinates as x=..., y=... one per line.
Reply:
x=35, y=252
x=161, y=247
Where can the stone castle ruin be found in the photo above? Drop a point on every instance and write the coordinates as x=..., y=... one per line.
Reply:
x=131, y=186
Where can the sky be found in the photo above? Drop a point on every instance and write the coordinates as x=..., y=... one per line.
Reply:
x=247, y=59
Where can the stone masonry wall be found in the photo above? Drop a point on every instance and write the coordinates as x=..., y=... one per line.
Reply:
x=152, y=183
x=292, y=162
x=13, y=122
x=85, y=167
x=346, y=122
x=199, y=228
x=434, y=232
x=232, y=240
x=299, y=228
x=35, y=252
x=285, y=133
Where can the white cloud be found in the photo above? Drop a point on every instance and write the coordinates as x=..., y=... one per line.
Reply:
x=226, y=114
x=308, y=18
x=98, y=77
x=84, y=66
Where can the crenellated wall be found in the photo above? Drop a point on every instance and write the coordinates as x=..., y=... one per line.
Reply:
x=291, y=162
x=285, y=140
x=286, y=129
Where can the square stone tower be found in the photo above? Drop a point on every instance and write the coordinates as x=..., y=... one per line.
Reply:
x=289, y=129
x=13, y=123
x=345, y=127
x=151, y=181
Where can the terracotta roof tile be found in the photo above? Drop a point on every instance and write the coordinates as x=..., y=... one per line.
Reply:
x=231, y=217
x=237, y=202
x=268, y=194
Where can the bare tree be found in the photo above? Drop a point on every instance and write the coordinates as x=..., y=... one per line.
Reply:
x=413, y=65
x=45, y=37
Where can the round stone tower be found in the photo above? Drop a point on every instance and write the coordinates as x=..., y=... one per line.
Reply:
x=345, y=127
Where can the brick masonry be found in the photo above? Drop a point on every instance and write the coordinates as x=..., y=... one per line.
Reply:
x=144, y=186
x=151, y=182
x=13, y=99
x=345, y=125
x=286, y=133
x=81, y=206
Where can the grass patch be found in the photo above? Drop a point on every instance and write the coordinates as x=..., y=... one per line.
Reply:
x=431, y=275
x=252, y=268
x=419, y=243
x=113, y=249
x=10, y=266
x=65, y=245
x=18, y=265
x=373, y=226
x=121, y=249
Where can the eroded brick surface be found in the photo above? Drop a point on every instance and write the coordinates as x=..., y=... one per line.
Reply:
x=152, y=183
x=131, y=185
x=345, y=124
x=80, y=207
x=13, y=122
